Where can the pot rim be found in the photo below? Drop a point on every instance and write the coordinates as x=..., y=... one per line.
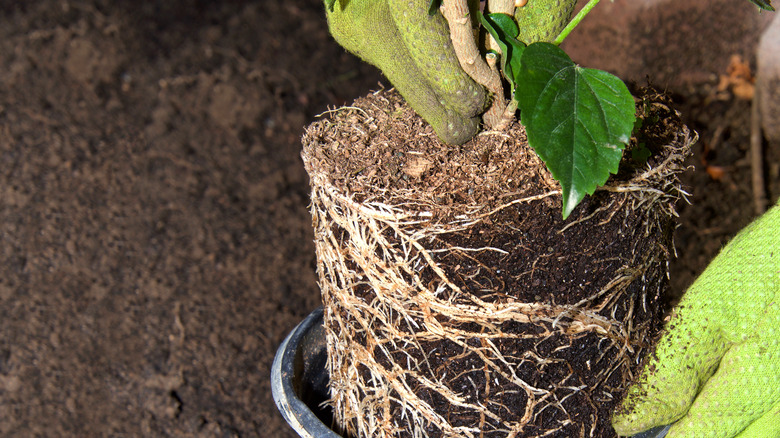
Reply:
x=283, y=372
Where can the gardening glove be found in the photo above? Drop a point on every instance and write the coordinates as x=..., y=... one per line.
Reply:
x=543, y=20
x=413, y=49
x=716, y=371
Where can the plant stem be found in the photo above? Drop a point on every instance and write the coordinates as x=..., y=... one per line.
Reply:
x=456, y=12
x=501, y=6
x=756, y=157
x=508, y=116
x=575, y=21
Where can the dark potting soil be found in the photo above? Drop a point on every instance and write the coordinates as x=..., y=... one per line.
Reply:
x=381, y=152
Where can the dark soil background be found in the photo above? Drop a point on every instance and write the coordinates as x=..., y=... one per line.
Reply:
x=155, y=243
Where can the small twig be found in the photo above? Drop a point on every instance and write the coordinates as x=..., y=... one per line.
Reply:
x=575, y=21
x=500, y=7
x=456, y=12
x=492, y=62
x=756, y=157
x=508, y=117
x=717, y=136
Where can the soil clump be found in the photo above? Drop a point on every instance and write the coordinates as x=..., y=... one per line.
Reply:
x=458, y=301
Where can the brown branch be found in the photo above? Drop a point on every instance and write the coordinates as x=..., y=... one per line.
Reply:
x=508, y=115
x=501, y=6
x=456, y=12
x=756, y=157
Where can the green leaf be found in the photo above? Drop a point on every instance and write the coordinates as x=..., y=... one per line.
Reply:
x=434, y=6
x=766, y=5
x=504, y=30
x=329, y=4
x=641, y=154
x=578, y=120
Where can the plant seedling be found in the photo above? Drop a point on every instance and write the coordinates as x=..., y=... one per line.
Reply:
x=578, y=120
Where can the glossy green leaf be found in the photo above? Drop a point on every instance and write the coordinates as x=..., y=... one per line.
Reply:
x=578, y=120
x=504, y=30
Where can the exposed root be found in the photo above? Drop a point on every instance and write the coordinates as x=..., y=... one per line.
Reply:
x=388, y=301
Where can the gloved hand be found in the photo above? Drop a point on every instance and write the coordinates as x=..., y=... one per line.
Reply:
x=414, y=51
x=543, y=20
x=716, y=371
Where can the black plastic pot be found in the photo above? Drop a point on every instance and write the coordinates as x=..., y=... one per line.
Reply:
x=299, y=380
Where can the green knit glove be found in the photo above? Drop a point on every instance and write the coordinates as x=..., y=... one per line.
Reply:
x=413, y=49
x=716, y=371
x=543, y=20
